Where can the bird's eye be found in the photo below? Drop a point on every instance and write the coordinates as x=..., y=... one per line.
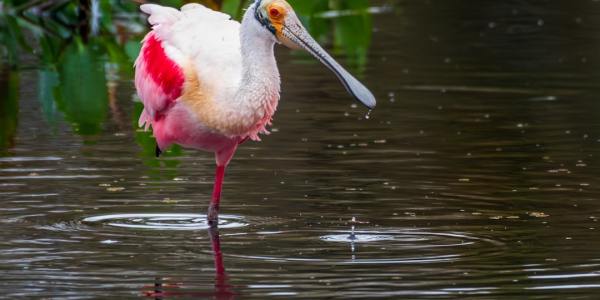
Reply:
x=274, y=12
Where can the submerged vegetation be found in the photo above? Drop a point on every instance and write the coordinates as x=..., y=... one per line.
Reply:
x=82, y=49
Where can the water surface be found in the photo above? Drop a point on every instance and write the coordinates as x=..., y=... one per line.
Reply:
x=476, y=176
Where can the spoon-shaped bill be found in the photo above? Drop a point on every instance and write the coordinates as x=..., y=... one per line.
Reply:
x=294, y=32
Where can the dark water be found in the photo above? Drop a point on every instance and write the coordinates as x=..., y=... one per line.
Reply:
x=476, y=176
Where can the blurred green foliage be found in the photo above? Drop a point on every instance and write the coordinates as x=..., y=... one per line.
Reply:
x=82, y=94
x=74, y=43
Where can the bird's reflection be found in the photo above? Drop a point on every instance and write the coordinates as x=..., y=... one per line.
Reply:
x=162, y=288
x=222, y=288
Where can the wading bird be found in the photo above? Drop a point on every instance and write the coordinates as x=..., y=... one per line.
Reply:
x=210, y=83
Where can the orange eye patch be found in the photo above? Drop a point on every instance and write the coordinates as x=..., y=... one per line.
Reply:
x=274, y=12
x=277, y=11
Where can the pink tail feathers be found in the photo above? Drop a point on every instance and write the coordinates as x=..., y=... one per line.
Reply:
x=145, y=120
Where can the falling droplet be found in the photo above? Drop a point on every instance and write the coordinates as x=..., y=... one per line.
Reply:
x=352, y=236
x=368, y=115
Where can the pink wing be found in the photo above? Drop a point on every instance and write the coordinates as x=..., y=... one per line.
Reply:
x=158, y=78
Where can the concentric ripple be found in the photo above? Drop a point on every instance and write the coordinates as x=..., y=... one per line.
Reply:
x=382, y=246
x=165, y=221
x=358, y=237
x=412, y=239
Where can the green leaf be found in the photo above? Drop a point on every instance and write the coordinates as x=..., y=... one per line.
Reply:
x=50, y=48
x=172, y=3
x=232, y=7
x=106, y=19
x=132, y=49
x=353, y=34
x=351, y=22
x=306, y=10
x=48, y=81
x=117, y=54
x=8, y=41
x=82, y=95
x=16, y=34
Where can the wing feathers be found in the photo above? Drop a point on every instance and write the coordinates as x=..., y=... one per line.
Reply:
x=160, y=14
x=196, y=37
x=199, y=10
x=158, y=79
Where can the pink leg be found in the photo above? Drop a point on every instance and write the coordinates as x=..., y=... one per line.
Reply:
x=213, y=209
x=222, y=288
x=222, y=157
x=217, y=254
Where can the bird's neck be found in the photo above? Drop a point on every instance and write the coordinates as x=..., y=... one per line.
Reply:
x=258, y=92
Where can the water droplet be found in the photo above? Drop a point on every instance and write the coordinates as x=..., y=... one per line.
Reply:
x=352, y=235
x=368, y=115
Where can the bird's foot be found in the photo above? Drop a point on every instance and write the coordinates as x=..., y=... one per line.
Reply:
x=213, y=215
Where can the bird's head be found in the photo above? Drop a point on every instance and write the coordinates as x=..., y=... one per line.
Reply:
x=279, y=18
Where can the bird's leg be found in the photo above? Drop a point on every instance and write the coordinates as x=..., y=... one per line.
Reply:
x=213, y=209
x=213, y=233
x=222, y=157
x=222, y=288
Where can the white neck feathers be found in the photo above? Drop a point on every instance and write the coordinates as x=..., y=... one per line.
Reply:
x=258, y=94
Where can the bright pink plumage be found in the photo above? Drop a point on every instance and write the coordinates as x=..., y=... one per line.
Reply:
x=158, y=79
x=163, y=71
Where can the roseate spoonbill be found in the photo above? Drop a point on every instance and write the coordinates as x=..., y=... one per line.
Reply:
x=210, y=83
